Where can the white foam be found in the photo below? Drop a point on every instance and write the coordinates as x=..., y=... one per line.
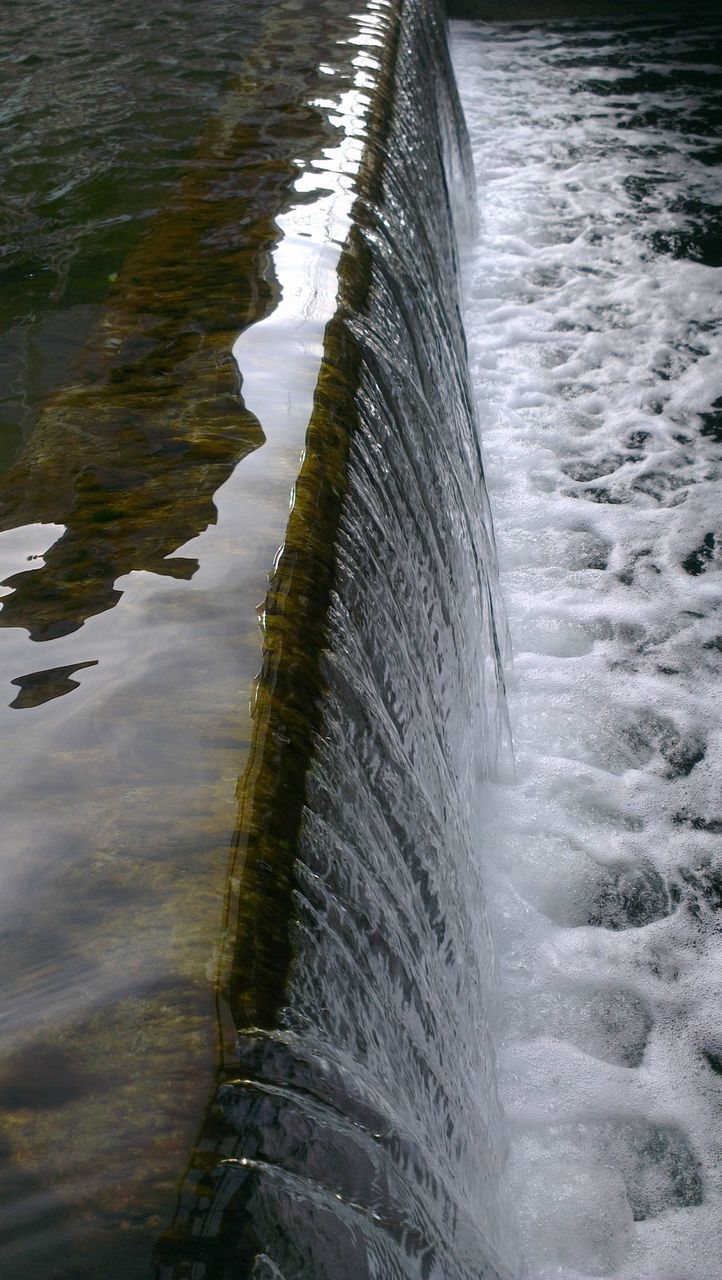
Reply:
x=593, y=353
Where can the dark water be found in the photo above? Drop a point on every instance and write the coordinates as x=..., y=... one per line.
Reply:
x=101, y=105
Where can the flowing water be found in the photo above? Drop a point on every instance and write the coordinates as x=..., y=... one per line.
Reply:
x=594, y=325
x=426, y=1005
x=359, y=1131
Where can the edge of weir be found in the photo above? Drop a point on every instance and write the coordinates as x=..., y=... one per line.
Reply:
x=255, y=952
x=245, y=1162
x=286, y=710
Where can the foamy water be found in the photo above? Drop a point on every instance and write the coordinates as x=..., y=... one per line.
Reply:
x=593, y=317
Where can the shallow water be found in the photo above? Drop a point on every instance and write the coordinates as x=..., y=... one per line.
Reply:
x=101, y=106
x=140, y=521
x=592, y=309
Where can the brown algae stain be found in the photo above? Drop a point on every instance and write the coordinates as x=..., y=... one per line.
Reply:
x=287, y=705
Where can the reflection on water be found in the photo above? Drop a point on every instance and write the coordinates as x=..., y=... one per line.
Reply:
x=137, y=550
x=41, y=686
x=125, y=455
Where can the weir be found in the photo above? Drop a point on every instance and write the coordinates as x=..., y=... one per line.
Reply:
x=355, y=1123
x=278, y=1014
x=355, y=1069
x=119, y=805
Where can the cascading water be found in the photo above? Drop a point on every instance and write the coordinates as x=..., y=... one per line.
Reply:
x=364, y=1135
x=392, y=969
x=592, y=311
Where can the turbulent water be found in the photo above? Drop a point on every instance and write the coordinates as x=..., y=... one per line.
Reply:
x=593, y=319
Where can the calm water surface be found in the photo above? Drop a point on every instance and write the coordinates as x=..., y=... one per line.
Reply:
x=101, y=105
x=169, y=172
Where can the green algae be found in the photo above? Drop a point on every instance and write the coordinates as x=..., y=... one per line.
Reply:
x=286, y=712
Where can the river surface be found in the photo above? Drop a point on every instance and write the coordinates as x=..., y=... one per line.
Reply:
x=494, y=1048
x=101, y=105
x=592, y=309
x=176, y=187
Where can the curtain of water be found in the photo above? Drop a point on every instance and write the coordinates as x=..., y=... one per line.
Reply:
x=364, y=1136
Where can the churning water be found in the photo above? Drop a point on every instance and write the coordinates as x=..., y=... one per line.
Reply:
x=593, y=321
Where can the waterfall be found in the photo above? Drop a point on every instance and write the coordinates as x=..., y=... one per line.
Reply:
x=355, y=1128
